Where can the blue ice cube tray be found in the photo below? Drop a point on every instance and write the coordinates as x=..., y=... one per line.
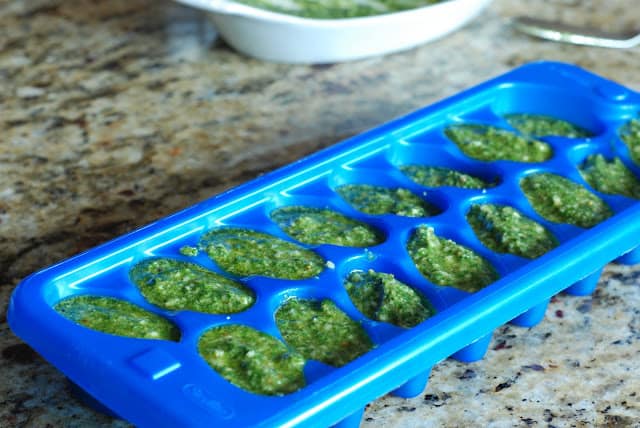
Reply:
x=156, y=383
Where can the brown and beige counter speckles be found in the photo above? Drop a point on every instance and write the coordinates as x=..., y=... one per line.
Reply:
x=114, y=113
x=576, y=368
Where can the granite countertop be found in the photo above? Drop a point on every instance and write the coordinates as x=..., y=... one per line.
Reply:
x=114, y=113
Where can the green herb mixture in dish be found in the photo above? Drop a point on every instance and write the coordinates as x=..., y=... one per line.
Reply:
x=336, y=9
x=381, y=297
x=320, y=331
x=176, y=285
x=561, y=200
x=252, y=360
x=382, y=200
x=246, y=252
x=506, y=230
x=610, y=176
x=630, y=134
x=117, y=317
x=538, y=125
x=488, y=143
x=443, y=262
x=437, y=176
x=315, y=226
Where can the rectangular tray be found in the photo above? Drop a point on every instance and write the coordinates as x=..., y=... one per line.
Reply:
x=159, y=383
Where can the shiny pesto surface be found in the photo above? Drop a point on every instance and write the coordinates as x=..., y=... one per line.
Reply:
x=538, y=125
x=320, y=331
x=189, y=251
x=245, y=252
x=488, y=143
x=444, y=262
x=117, y=317
x=381, y=297
x=630, y=134
x=610, y=176
x=252, y=360
x=561, y=200
x=177, y=285
x=315, y=226
x=437, y=176
x=335, y=9
x=506, y=230
x=383, y=200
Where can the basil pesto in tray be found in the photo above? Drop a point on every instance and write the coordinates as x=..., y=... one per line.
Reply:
x=117, y=317
x=298, y=298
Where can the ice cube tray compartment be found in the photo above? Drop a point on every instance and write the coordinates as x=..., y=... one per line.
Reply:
x=164, y=383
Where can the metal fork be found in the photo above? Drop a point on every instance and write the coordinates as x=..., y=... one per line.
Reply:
x=561, y=32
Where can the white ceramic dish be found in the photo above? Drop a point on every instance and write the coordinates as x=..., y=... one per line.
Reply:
x=285, y=38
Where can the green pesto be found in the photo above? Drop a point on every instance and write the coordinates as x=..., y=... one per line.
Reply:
x=437, y=176
x=383, y=200
x=117, y=317
x=189, y=251
x=381, y=297
x=320, y=331
x=246, y=252
x=315, y=226
x=176, y=285
x=610, y=176
x=336, y=9
x=252, y=360
x=561, y=200
x=506, y=230
x=488, y=143
x=443, y=262
x=538, y=125
x=630, y=134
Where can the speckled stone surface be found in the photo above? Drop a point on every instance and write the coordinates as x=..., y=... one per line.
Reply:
x=116, y=112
